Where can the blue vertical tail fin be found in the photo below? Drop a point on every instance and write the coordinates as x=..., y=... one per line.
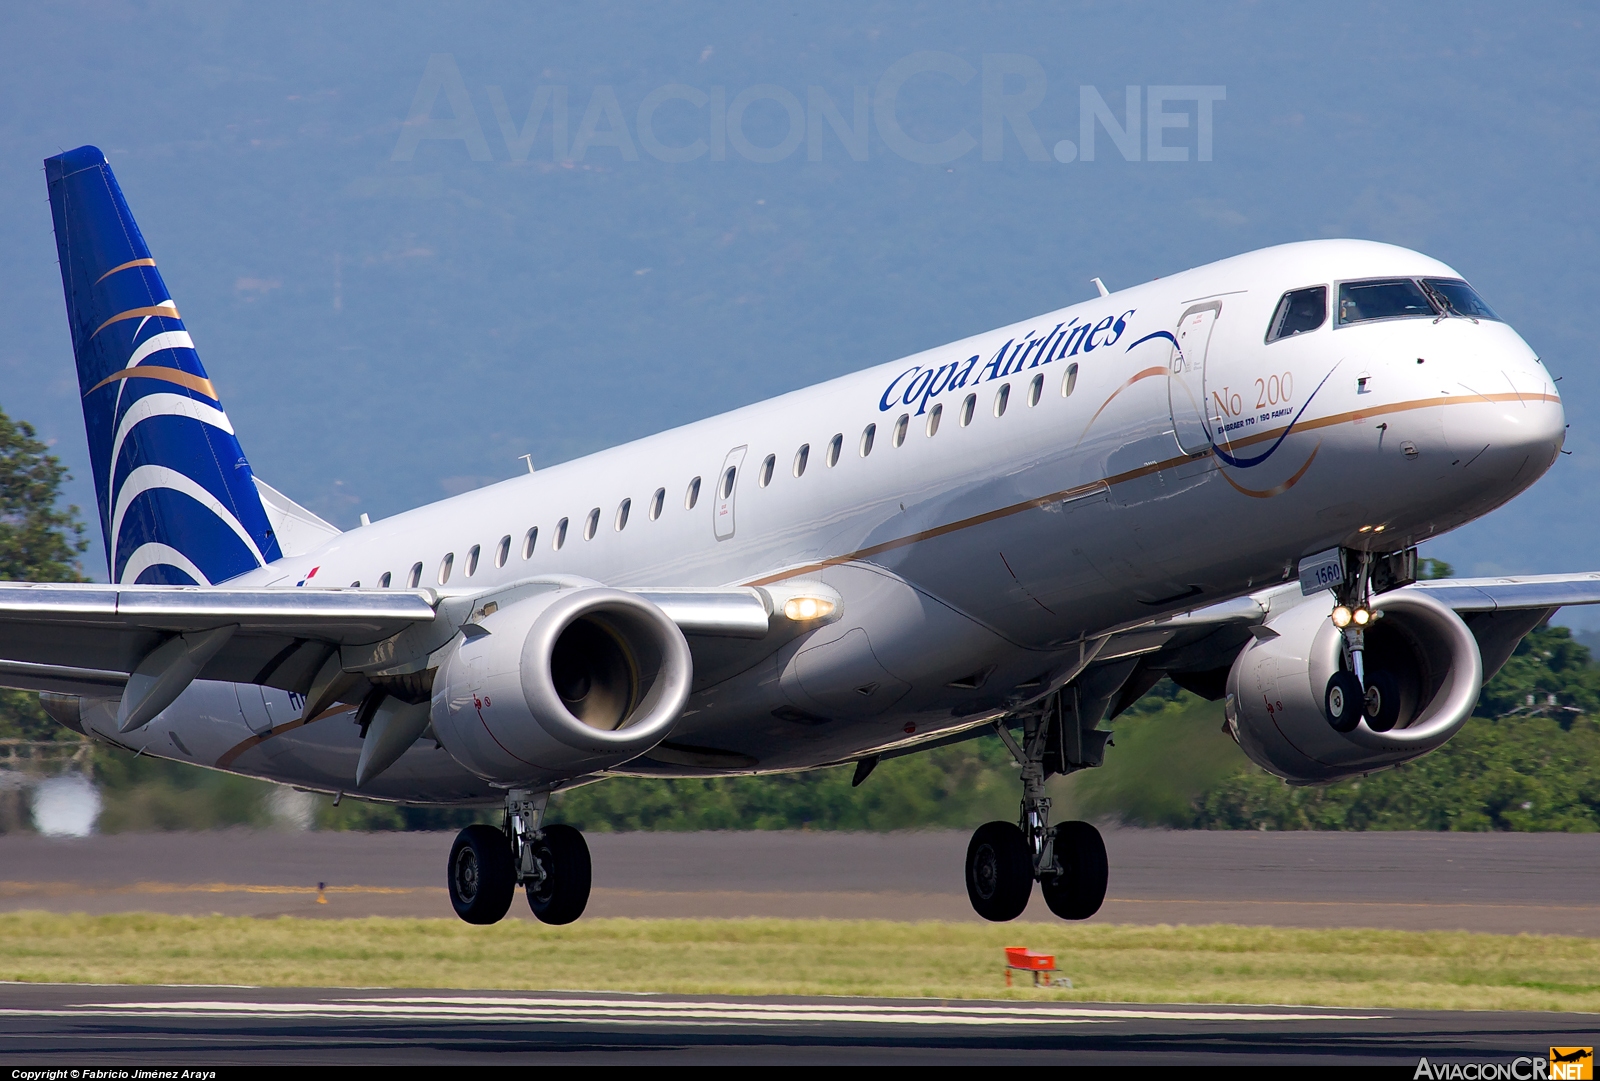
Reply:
x=177, y=501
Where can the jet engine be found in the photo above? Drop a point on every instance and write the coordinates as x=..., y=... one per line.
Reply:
x=1418, y=649
x=560, y=683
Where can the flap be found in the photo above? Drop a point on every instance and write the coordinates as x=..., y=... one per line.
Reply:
x=283, y=634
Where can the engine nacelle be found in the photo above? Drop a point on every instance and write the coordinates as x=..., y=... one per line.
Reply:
x=1277, y=685
x=561, y=683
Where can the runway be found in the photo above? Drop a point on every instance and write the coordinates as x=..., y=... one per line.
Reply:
x=210, y=1027
x=1505, y=883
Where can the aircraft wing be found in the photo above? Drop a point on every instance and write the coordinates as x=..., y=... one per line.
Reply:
x=1196, y=648
x=1521, y=592
x=86, y=639
x=95, y=633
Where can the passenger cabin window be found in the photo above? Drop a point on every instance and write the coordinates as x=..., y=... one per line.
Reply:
x=591, y=524
x=967, y=409
x=1069, y=381
x=622, y=514
x=1035, y=389
x=384, y=579
x=692, y=496
x=1456, y=297
x=656, y=503
x=1300, y=311
x=1384, y=298
x=414, y=579
x=867, y=436
x=1001, y=397
x=835, y=447
x=900, y=427
x=800, y=457
x=529, y=540
x=561, y=535
x=729, y=475
x=472, y=560
x=445, y=566
x=933, y=419
x=356, y=584
x=767, y=467
x=503, y=552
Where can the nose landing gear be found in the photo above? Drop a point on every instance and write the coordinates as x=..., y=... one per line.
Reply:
x=1353, y=693
x=1068, y=860
x=551, y=863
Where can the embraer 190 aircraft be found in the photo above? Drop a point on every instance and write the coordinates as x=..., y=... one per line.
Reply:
x=1219, y=476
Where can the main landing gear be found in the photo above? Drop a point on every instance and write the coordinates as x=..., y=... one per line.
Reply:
x=1069, y=860
x=1355, y=692
x=551, y=863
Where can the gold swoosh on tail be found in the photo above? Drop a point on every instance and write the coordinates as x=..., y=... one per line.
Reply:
x=124, y=266
x=198, y=384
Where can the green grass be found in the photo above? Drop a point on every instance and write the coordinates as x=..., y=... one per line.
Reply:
x=1217, y=964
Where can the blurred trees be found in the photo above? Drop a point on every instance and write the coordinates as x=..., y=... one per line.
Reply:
x=39, y=542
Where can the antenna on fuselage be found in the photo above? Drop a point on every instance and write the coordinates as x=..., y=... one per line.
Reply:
x=1100, y=285
x=526, y=458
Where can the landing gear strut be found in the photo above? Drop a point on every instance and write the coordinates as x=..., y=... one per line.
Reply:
x=1354, y=693
x=1069, y=860
x=551, y=863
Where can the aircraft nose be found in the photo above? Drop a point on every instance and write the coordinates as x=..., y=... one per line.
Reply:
x=1503, y=438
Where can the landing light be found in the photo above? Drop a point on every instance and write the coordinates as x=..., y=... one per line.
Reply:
x=1361, y=616
x=804, y=608
x=1341, y=617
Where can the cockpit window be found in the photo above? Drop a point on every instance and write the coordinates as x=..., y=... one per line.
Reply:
x=1456, y=297
x=1300, y=310
x=1385, y=298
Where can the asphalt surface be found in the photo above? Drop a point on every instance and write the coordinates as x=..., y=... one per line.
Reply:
x=1508, y=883
x=153, y=1028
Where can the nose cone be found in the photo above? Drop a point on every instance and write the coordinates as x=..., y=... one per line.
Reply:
x=1505, y=423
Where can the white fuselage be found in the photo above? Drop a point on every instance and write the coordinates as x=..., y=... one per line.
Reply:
x=972, y=558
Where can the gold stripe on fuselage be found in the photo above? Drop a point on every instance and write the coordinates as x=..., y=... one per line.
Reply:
x=232, y=753
x=1353, y=416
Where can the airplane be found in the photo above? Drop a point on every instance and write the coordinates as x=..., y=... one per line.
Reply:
x=1219, y=476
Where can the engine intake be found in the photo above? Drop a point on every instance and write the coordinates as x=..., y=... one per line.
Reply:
x=561, y=682
x=1277, y=684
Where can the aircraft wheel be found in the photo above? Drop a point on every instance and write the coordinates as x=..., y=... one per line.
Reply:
x=1077, y=893
x=1382, y=701
x=999, y=871
x=564, y=893
x=1344, y=701
x=482, y=874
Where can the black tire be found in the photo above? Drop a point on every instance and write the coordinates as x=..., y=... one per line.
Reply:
x=564, y=893
x=999, y=871
x=482, y=874
x=1344, y=701
x=1383, y=701
x=1079, y=890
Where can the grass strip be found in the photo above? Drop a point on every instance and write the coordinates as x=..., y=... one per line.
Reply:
x=1106, y=962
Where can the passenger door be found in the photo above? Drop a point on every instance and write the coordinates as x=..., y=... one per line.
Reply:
x=1186, y=377
x=727, y=483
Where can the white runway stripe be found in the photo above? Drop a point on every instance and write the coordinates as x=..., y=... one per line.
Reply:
x=655, y=1012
